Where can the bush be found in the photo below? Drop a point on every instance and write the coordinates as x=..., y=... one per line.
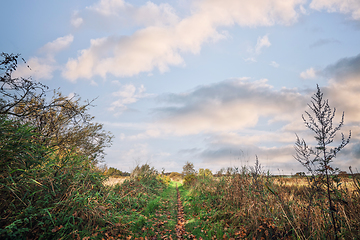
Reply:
x=164, y=179
x=176, y=176
x=189, y=180
x=113, y=172
x=45, y=195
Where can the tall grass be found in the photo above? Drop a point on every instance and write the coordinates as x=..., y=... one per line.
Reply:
x=254, y=204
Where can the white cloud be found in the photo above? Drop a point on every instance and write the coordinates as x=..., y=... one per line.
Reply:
x=57, y=45
x=108, y=7
x=261, y=43
x=274, y=64
x=40, y=68
x=43, y=67
x=76, y=22
x=161, y=46
x=113, y=12
x=308, y=74
x=343, y=6
x=127, y=94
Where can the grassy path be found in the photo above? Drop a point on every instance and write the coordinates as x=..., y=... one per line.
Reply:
x=175, y=214
x=202, y=219
x=158, y=221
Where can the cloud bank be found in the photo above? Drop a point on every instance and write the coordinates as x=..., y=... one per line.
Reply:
x=159, y=46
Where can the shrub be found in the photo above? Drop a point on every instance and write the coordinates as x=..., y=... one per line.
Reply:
x=42, y=194
x=189, y=180
x=164, y=179
x=176, y=176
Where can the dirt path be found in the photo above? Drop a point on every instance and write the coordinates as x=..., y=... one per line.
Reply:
x=180, y=226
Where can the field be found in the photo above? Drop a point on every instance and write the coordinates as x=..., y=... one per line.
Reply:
x=150, y=205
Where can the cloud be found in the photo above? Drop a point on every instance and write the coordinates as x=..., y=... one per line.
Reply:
x=161, y=46
x=43, y=67
x=251, y=59
x=344, y=69
x=261, y=43
x=40, y=68
x=308, y=74
x=113, y=12
x=57, y=45
x=108, y=7
x=230, y=105
x=126, y=95
x=322, y=42
x=274, y=64
x=343, y=6
x=76, y=22
x=344, y=86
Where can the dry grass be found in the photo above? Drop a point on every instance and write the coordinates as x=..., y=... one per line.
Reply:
x=113, y=181
x=281, y=208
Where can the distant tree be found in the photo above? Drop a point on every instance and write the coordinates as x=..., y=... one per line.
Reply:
x=318, y=160
x=343, y=174
x=300, y=174
x=143, y=171
x=188, y=168
x=205, y=172
x=220, y=172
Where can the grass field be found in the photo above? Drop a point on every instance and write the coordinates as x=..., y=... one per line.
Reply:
x=233, y=206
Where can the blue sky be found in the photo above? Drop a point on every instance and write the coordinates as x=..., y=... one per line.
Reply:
x=207, y=81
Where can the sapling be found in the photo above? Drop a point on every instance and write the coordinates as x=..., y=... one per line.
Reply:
x=318, y=160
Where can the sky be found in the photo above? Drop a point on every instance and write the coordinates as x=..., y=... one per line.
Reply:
x=216, y=83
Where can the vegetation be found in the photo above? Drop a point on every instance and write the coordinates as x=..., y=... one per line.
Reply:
x=323, y=180
x=51, y=186
x=113, y=172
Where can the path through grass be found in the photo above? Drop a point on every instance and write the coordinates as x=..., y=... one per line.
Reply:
x=158, y=219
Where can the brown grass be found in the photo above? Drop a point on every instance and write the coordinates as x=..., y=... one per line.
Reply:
x=282, y=207
x=113, y=181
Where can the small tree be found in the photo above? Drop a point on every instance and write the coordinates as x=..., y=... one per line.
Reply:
x=188, y=168
x=317, y=160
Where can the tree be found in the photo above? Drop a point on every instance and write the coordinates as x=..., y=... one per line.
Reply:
x=62, y=122
x=318, y=160
x=67, y=126
x=188, y=169
x=20, y=91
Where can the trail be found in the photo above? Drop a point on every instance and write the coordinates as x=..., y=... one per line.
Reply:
x=180, y=226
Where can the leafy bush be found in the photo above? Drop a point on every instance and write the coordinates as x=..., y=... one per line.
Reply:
x=164, y=179
x=189, y=180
